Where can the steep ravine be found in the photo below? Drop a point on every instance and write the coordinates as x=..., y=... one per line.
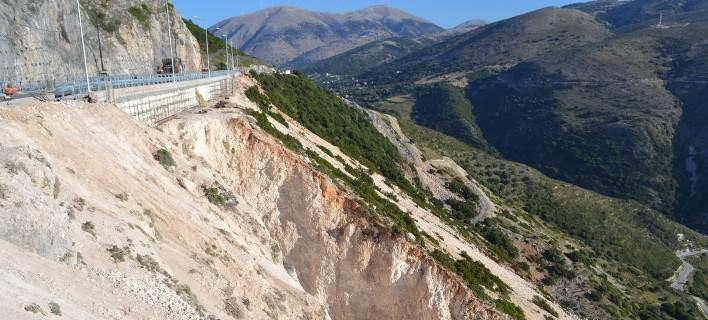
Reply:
x=354, y=266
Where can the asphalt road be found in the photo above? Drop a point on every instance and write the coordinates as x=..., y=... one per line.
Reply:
x=684, y=272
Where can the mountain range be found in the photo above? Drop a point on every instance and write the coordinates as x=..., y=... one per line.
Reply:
x=295, y=37
x=597, y=94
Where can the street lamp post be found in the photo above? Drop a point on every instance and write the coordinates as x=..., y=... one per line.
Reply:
x=228, y=56
x=83, y=47
x=238, y=66
x=169, y=34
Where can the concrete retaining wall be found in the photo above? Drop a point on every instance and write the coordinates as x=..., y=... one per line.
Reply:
x=157, y=102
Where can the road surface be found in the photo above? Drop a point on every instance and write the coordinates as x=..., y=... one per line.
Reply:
x=684, y=272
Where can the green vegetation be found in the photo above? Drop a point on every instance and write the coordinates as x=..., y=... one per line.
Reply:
x=499, y=242
x=364, y=187
x=458, y=187
x=217, y=48
x=445, y=108
x=100, y=17
x=142, y=13
x=55, y=309
x=89, y=228
x=330, y=118
x=214, y=196
x=619, y=241
x=698, y=284
x=360, y=59
x=122, y=196
x=543, y=304
x=118, y=254
x=681, y=311
x=474, y=273
x=509, y=308
x=462, y=210
x=164, y=157
x=148, y=263
x=262, y=102
x=287, y=140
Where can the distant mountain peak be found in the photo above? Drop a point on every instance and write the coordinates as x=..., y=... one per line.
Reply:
x=295, y=36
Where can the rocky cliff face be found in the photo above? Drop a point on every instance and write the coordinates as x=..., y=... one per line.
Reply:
x=236, y=227
x=134, y=38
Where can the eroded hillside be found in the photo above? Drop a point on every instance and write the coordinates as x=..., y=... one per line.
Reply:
x=206, y=216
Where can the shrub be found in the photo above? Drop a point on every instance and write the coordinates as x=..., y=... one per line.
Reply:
x=118, y=254
x=54, y=308
x=214, y=196
x=543, y=304
x=89, y=228
x=509, y=308
x=462, y=210
x=122, y=196
x=474, y=273
x=164, y=157
x=500, y=242
x=148, y=263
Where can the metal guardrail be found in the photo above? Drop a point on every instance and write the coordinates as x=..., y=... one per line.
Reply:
x=79, y=86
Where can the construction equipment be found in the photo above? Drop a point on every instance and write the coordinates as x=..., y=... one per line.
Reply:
x=167, y=68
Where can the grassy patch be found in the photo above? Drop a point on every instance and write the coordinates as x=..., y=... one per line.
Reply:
x=164, y=157
x=142, y=13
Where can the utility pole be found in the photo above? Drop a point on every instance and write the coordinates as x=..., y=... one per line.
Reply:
x=169, y=34
x=83, y=46
x=100, y=47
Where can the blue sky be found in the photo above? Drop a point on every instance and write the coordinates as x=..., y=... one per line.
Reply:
x=446, y=13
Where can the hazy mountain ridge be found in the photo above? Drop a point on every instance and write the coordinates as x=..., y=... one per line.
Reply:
x=605, y=99
x=294, y=36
